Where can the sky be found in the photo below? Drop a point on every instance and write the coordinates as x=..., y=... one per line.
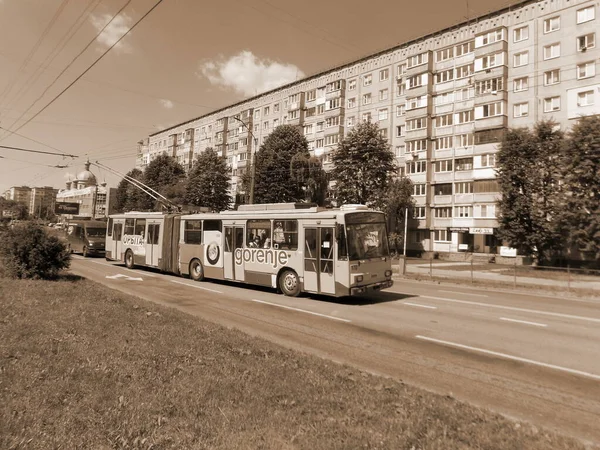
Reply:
x=184, y=59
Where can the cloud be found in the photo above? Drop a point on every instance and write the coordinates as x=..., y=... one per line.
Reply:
x=111, y=34
x=247, y=74
x=166, y=103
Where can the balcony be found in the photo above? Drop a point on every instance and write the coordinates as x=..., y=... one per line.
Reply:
x=464, y=128
x=486, y=197
x=444, y=109
x=484, y=173
x=445, y=153
x=484, y=223
x=439, y=200
x=441, y=222
x=417, y=134
x=443, y=131
x=443, y=177
x=463, y=151
x=495, y=47
x=463, y=198
x=419, y=90
x=487, y=123
x=462, y=175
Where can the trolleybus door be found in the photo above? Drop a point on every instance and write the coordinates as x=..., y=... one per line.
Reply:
x=153, y=253
x=116, y=246
x=233, y=253
x=318, y=260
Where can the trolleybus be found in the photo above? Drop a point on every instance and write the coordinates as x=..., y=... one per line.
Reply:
x=293, y=247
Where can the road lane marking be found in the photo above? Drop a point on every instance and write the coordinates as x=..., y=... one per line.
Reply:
x=465, y=293
x=512, y=308
x=120, y=275
x=301, y=310
x=124, y=268
x=420, y=306
x=197, y=287
x=535, y=324
x=514, y=358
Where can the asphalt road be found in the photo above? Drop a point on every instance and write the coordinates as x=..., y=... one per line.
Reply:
x=526, y=356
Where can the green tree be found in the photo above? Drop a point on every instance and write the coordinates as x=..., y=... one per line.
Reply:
x=28, y=251
x=128, y=196
x=398, y=202
x=162, y=173
x=276, y=178
x=308, y=174
x=581, y=162
x=362, y=166
x=208, y=182
x=528, y=173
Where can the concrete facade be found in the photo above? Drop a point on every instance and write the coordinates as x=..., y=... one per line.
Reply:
x=443, y=101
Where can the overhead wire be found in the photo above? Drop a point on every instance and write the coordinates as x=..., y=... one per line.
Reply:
x=68, y=66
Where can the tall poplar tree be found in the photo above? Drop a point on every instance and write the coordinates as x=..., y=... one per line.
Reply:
x=208, y=182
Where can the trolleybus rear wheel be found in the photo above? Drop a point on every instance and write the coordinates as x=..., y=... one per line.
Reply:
x=196, y=270
x=289, y=283
x=129, y=259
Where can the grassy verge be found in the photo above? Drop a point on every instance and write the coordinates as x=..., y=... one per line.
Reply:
x=82, y=366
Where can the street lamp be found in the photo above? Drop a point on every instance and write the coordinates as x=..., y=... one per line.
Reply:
x=252, y=166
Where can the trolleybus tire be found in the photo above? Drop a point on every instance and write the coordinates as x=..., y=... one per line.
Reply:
x=129, y=259
x=289, y=283
x=196, y=270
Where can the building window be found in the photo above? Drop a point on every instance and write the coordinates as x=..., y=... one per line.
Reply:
x=419, y=189
x=333, y=104
x=352, y=85
x=320, y=109
x=332, y=139
x=443, y=166
x=294, y=114
x=319, y=143
x=465, y=187
x=521, y=34
x=383, y=132
x=352, y=102
x=464, y=94
x=444, y=99
x=443, y=121
x=416, y=81
x=489, y=61
x=521, y=109
x=310, y=96
x=366, y=117
x=400, y=150
x=464, y=48
x=445, y=54
x=551, y=24
x=552, y=51
x=490, y=86
x=350, y=121
x=444, y=76
x=462, y=164
x=382, y=114
x=488, y=160
x=489, y=38
x=586, y=70
x=485, y=186
x=490, y=110
x=586, y=14
x=419, y=145
x=384, y=74
x=368, y=80
x=333, y=86
x=464, y=211
x=417, y=60
x=443, y=143
x=445, y=211
x=441, y=236
x=464, y=71
x=400, y=110
x=366, y=99
x=418, y=212
x=521, y=84
x=521, y=59
x=416, y=167
x=552, y=77
x=551, y=104
x=308, y=129
x=585, y=98
x=416, y=124
x=401, y=69
x=400, y=130
x=464, y=116
x=586, y=42
x=464, y=140
x=276, y=108
x=416, y=102
x=383, y=94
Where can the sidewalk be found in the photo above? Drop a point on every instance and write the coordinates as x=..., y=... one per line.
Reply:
x=464, y=272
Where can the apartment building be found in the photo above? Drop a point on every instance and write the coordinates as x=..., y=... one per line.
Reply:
x=42, y=200
x=19, y=194
x=443, y=101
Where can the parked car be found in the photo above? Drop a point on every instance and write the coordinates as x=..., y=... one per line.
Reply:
x=86, y=237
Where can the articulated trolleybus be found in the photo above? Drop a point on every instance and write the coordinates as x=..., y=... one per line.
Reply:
x=293, y=247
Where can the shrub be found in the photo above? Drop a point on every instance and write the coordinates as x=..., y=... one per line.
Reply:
x=27, y=251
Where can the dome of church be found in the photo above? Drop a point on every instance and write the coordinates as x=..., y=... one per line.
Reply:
x=86, y=176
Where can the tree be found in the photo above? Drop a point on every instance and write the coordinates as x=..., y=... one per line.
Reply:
x=15, y=209
x=308, y=174
x=362, y=166
x=208, y=182
x=128, y=195
x=581, y=162
x=529, y=173
x=397, y=202
x=275, y=179
x=162, y=172
x=28, y=251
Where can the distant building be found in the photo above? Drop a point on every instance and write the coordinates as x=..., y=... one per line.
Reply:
x=443, y=101
x=95, y=200
x=19, y=194
x=41, y=200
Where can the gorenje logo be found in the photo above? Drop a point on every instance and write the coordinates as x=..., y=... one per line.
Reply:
x=128, y=239
x=275, y=258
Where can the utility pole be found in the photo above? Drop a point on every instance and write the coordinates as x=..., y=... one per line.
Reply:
x=252, y=165
x=405, y=228
x=94, y=201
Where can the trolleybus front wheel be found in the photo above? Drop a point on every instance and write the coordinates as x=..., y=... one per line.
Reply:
x=289, y=283
x=196, y=270
x=129, y=259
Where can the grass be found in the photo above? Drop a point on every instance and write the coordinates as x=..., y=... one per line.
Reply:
x=82, y=366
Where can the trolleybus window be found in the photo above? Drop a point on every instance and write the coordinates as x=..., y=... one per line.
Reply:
x=212, y=225
x=342, y=243
x=118, y=231
x=367, y=240
x=129, y=226
x=109, y=228
x=140, y=227
x=285, y=234
x=193, y=232
x=258, y=234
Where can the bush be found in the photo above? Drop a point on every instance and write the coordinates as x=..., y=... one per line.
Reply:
x=27, y=251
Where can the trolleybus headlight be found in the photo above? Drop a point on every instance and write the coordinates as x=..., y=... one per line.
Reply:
x=388, y=273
